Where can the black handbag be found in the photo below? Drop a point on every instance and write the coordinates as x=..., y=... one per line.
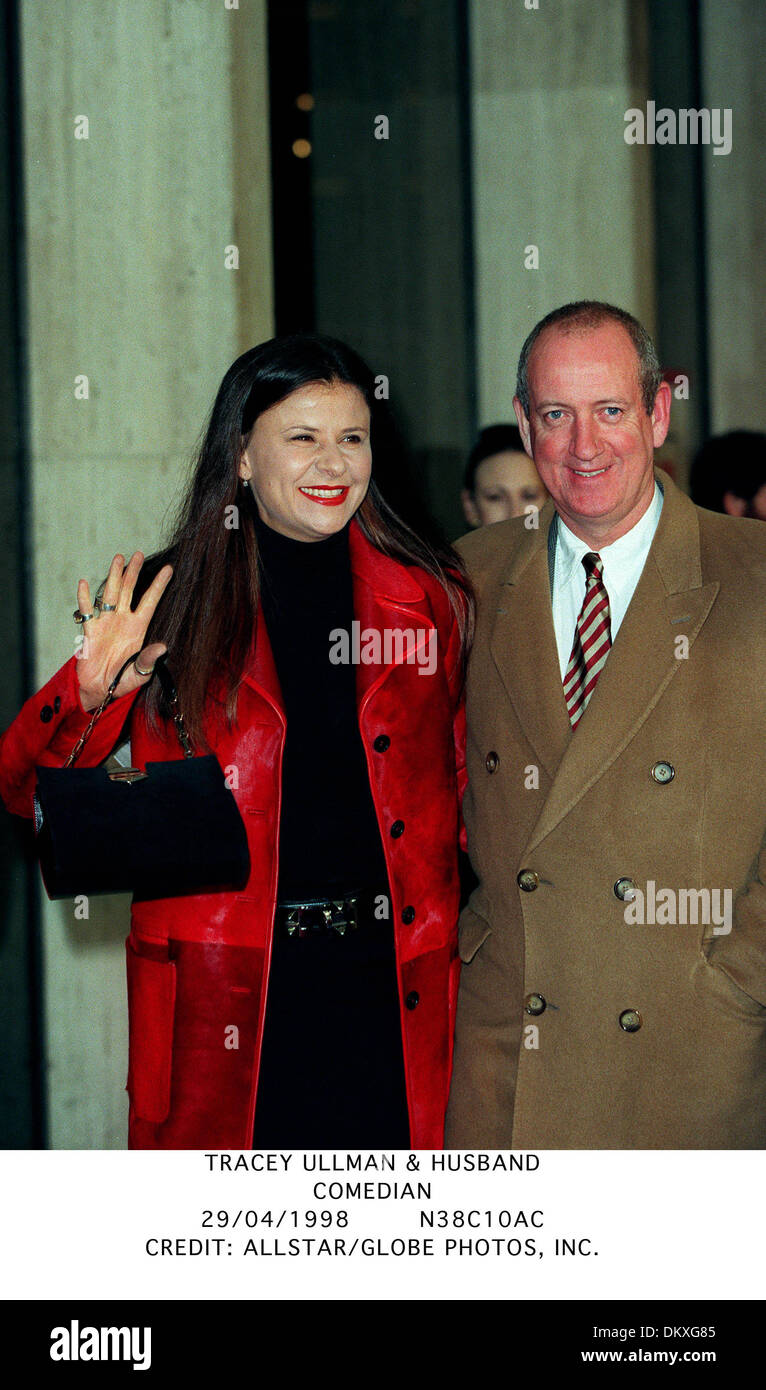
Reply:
x=171, y=830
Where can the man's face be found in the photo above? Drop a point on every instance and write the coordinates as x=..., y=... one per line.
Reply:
x=588, y=431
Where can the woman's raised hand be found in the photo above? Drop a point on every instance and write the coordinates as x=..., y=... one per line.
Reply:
x=109, y=639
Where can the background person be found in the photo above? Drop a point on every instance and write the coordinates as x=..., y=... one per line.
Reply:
x=500, y=480
x=336, y=966
x=728, y=474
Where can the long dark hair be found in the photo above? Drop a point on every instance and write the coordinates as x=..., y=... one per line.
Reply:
x=206, y=615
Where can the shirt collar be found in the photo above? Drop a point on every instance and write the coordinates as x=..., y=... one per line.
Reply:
x=620, y=557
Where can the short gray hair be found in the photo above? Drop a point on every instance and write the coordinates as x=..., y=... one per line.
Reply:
x=592, y=313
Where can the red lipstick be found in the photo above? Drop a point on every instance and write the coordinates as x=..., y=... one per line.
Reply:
x=326, y=496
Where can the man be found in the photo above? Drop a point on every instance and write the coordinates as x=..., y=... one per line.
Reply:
x=613, y=990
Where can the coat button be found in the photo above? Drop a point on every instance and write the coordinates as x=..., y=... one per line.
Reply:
x=625, y=890
x=492, y=761
x=408, y=916
x=535, y=1004
x=663, y=772
x=382, y=743
x=397, y=829
x=413, y=999
x=527, y=880
x=46, y=714
x=630, y=1020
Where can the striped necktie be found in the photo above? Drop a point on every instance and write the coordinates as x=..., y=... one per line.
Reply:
x=592, y=640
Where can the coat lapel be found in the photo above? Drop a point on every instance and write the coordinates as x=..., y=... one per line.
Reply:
x=523, y=646
x=670, y=602
x=387, y=597
x=262, y=673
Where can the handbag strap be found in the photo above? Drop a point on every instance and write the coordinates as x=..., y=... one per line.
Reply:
x=170, y=693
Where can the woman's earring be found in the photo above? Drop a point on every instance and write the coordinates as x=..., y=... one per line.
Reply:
x=245, y=482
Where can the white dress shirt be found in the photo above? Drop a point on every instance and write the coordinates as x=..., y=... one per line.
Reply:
x=623, y=562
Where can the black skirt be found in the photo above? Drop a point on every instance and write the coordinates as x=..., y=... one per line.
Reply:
x=332, y=1068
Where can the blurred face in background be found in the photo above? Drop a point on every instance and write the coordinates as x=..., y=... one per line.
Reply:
x=505, y=484
x=755, y=508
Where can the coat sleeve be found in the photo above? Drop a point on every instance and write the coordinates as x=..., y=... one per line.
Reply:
x=741, y=953
x=456, y=685
x=45, y=732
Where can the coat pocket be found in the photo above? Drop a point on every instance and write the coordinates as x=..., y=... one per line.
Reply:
x=747, y=987
x=151, y=1013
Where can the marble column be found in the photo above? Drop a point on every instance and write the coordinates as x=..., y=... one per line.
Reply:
x=732, y=40
x=145, y=151
x=563, y=206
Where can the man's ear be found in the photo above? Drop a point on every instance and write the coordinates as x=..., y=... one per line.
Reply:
x=661, y=414
x=470, y=510
x=523, y=424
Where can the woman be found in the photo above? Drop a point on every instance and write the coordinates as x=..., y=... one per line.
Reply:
x=317, y=648
x=500, y=480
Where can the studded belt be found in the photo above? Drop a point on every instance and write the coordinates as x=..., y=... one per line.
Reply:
x=319, y=915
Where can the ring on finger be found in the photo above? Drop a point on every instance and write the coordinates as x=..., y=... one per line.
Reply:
x=140, y=671
x=82, y=617
x=106, y=607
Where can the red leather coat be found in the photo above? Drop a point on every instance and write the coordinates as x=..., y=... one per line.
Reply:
x=198, y=966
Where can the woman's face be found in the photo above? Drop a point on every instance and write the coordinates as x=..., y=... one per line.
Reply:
x=308, y=460
x=504, y=485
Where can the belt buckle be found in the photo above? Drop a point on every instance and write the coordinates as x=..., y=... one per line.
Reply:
x=296, y=920
x=339, y=914
x=343, y=914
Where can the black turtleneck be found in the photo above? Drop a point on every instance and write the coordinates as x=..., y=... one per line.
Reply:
x=332, y=1070
x=329, y=839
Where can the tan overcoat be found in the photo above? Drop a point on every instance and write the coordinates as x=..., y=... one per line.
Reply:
x=577, y=1028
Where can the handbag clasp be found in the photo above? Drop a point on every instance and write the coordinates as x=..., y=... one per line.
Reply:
x=128, y=775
